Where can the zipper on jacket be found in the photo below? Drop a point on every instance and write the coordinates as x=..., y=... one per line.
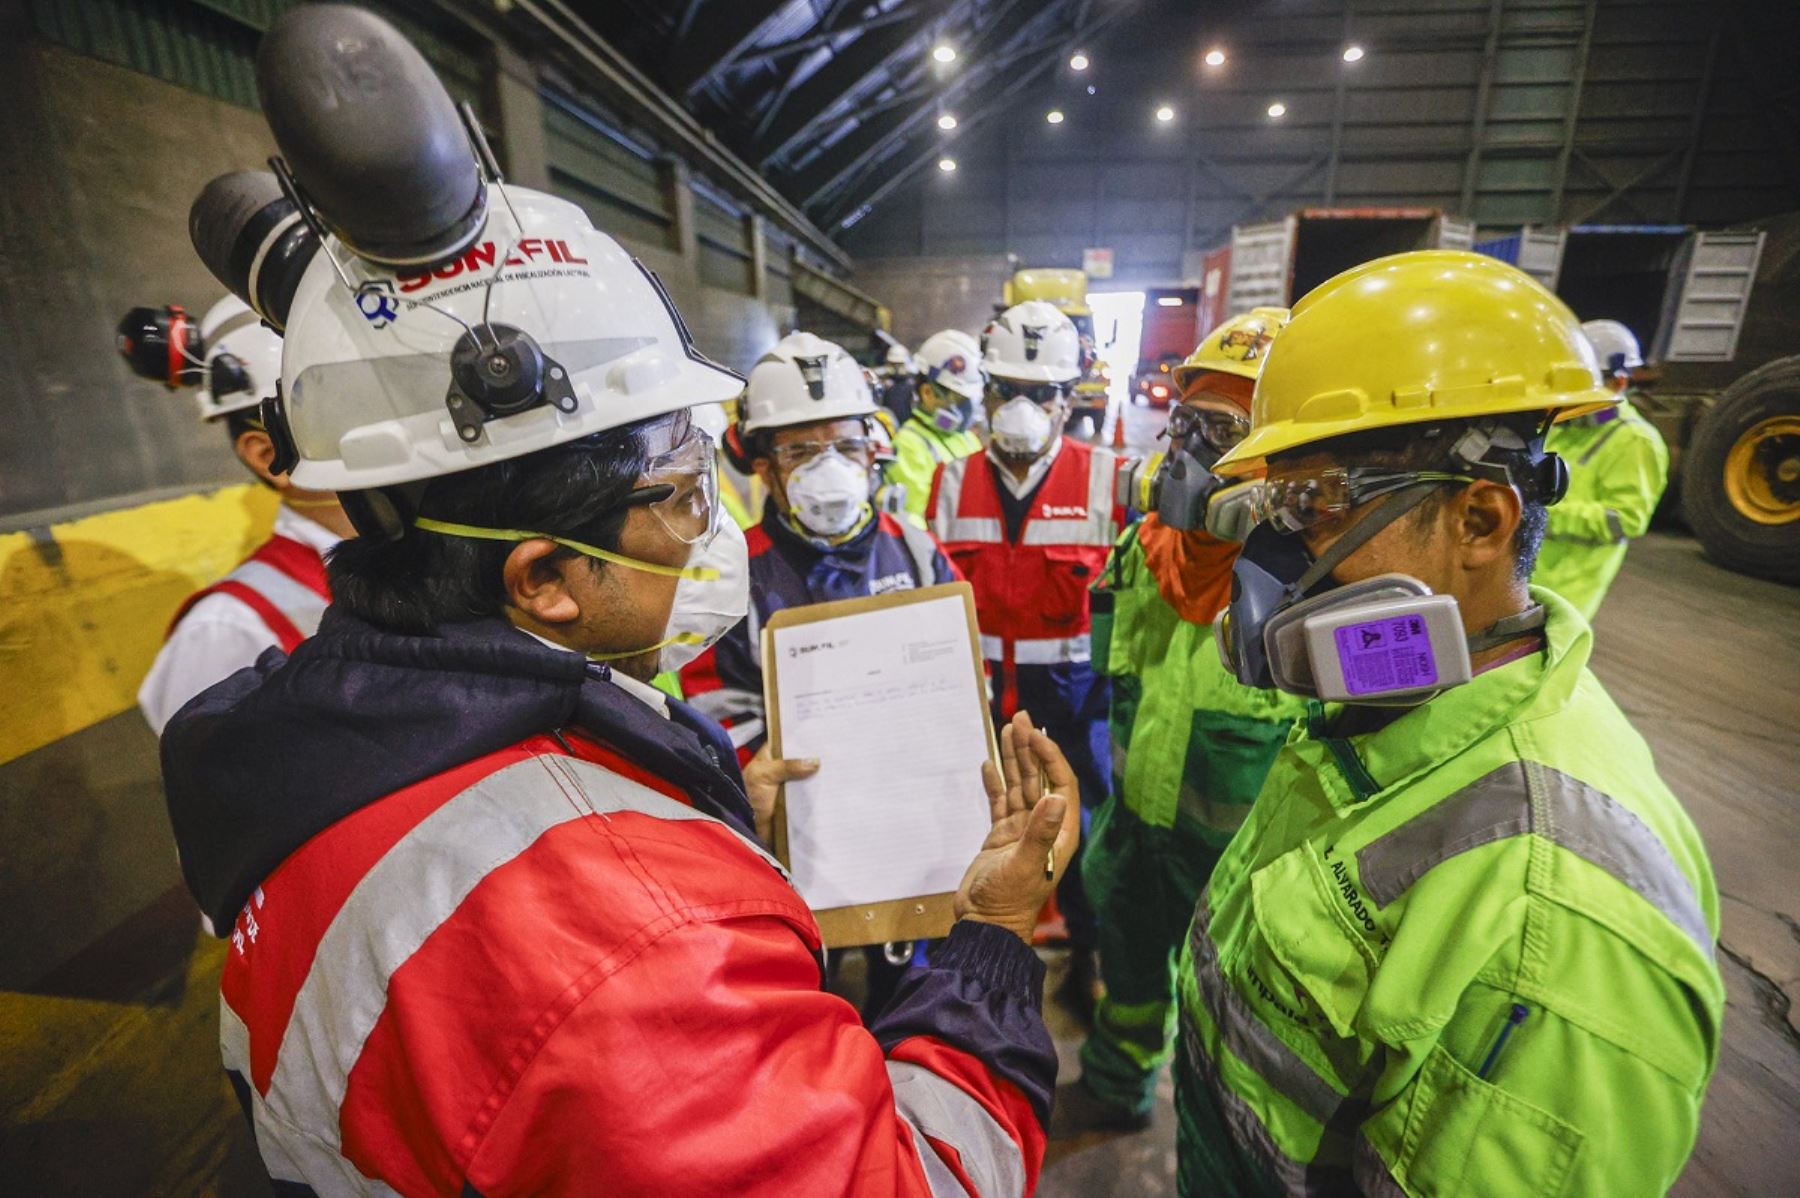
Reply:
x=1519, y=1012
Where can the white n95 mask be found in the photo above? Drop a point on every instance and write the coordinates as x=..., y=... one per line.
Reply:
x=1022, y=428
x=711, y=598
x=829, y=493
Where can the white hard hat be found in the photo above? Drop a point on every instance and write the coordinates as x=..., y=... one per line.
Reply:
x=802, y=379
x=1614, y=344
x=897, y=355
x=1032, y=342
x=381, y=384
x=243, y=359
x=952, y=359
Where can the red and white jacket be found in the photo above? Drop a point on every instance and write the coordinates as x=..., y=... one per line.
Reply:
x=274, y=598
x=1031, y=591
x=547, y=970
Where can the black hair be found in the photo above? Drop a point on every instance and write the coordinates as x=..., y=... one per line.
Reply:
x=425, y=579
x=244, y=420
x=1428, y=447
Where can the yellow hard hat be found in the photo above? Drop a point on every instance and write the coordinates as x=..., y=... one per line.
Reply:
x=1415, y=339
x=1236, y=347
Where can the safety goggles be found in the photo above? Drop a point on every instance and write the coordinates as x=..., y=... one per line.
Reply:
x=1042, y=394
x=1302, y=501
x=681, y=489
x=795, y=454
x=1221, y=431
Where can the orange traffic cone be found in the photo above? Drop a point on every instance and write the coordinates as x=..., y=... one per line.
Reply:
x=1118, y=440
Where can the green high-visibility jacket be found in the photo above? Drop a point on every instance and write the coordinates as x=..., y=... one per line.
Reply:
x=1470, y=952
x=1617, y=472
x=1187, y=737
x=920, y=447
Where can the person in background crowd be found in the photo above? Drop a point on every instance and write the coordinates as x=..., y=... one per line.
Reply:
x=948, y=388
x=1618, y=468
x=277, y=595
x=1190, y=743
x=1464, y=942
x=1029, y=521
x=808, y=420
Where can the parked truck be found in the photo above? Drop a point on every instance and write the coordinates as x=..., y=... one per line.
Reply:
x=1068, y=290
x=1274, y=263
x=1170, y=330
x=1718, y=315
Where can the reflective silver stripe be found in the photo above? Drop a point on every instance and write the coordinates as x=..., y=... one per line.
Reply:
x=1044, y=651
x=727, y=703
x=923, y=551
x=1526, y=797
x=982, y=529
x=944, y=1111
x=1040, y=531
x=745, y=731
x=1256, y=1044
x=407, y=895
x=295, y=600
x=1371, y=1172
x=1599, y=441
x=1102, y=472
x=1615, y=526
x=1297, y=1178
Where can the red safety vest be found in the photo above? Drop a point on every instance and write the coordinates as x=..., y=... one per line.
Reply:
x=1031, y=595
x=283, y=582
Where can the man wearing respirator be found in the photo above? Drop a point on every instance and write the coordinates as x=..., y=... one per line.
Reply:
x=1464, y=941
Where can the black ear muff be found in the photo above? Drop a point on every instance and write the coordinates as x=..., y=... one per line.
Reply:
x=736, y=452
x=162, y=345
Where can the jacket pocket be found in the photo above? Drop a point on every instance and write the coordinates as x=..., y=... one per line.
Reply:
x=1068, y=573
x=1452, y=1132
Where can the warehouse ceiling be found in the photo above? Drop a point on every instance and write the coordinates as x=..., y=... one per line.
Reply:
x=829, y=98
x=1507, y=111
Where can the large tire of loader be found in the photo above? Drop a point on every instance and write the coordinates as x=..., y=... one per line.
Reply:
x=1740, y=476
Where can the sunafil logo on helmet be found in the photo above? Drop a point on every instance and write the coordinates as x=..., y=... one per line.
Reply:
x=529, y=251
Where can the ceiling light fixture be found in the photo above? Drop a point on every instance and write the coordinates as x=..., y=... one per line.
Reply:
x=1078, y=61
x=1165, y=114
x=1353, y=53
x=1215, y=57
x=946, y=165
x=947, y=122
x=1054, y=116
x=1168, y=301
x=943, y=52
x=1277, y=110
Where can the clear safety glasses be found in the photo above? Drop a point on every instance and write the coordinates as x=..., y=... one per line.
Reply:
x=1302, y=501
x=681, y=488
x=1042, y=394
x=1221, y=431
x=795, y=454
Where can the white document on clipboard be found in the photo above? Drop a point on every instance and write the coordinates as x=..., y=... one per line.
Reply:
x=890, y=702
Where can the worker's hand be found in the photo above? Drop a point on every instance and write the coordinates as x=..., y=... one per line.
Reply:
x=1036, y=807
x=763, y=777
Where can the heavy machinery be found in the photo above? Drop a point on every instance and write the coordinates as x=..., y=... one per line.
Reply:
x=1170, y=331
x=1718, y=315
x=1068, y=290
x=1270, y=265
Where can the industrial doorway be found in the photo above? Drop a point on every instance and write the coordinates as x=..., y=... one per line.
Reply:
x=1118, y=329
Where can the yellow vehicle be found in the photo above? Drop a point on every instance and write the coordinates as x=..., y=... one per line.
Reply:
x=1067, y=289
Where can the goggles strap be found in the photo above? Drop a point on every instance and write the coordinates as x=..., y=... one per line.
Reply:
x=476, y=532
x=1509, y=629
x=1396, y=505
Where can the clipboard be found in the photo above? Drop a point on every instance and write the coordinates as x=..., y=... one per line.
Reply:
x=923, y=917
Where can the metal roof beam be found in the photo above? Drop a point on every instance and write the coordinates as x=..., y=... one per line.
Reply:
x=714, y=39
x=848, y=72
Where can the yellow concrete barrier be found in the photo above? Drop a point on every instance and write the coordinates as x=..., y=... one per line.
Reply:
x=83, y=606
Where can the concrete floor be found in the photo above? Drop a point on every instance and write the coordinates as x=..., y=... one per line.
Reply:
x=1706, y=663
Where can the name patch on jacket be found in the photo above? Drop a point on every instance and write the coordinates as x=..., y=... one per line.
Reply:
x=1051, y=511
x=891, y=582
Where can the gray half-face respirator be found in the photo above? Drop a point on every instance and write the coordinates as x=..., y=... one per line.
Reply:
x=1382, y=641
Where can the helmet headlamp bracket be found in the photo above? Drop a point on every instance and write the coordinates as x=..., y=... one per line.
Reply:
x=501, y=374
x=275, y=423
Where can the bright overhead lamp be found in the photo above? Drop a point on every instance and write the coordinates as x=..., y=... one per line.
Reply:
x=1353, y=53
x=946, y=165
x=1215, y=57
x=1078, y=61
x=943, y=52
x=1168, y=301
x=1054, y=116
x=1165, y=114
x=947, y=122
x=1277, y=110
